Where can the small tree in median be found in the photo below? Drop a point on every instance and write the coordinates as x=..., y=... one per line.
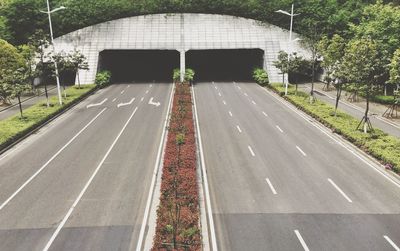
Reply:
x=395, y=70
x=19, y=79
x=359, y=62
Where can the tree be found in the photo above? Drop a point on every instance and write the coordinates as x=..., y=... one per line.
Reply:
x=18, y=80
x=298, y=67
x=282, y=64
x=332, y=52
x=381, y=23
x=39, y=41
x=10, y=61
x=28, y=53
x=395, y=69
x=359, y=64
x=78, y=62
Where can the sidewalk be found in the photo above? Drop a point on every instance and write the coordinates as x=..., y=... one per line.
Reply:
x=357, y=109
x=28, y=101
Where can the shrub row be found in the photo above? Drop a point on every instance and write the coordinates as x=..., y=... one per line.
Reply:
x=15, y=128
x=384, y=147
x=178, y=213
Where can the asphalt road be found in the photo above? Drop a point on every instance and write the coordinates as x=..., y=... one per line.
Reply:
x=81, y=183
x=278, y=183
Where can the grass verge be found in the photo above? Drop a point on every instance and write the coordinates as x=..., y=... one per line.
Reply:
x=384, y=147
x=14, y=128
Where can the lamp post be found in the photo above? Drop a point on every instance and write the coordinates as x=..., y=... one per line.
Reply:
x=290, y=38
x=48, y=12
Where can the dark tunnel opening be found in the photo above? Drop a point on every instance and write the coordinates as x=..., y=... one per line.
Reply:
x=139, y=65
x=224, y=65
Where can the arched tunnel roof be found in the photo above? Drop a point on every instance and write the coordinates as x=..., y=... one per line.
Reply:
x=180, y=32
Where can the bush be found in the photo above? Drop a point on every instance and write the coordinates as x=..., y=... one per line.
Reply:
x=189, y=75
x=384, y=147
x=261, y=76
x=386, y=100
x=103, y=78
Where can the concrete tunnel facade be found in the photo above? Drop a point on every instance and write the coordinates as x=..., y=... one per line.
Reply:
x=182, y=33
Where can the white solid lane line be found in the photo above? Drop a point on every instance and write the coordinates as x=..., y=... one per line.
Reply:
x=266, y=115
x=144, y=225
x=302, y=242
x=302, y=152
x=251, y=151
x=50, y=160
x=98, y=104
x=61, y=225
x=254, y=103
x=114, y=100
x=206, y=184
x=340, y=190
x=271, y=186
x=223, y=101
x=230, y=114
x=391, y=243
x=279, y=128
x=240, y=130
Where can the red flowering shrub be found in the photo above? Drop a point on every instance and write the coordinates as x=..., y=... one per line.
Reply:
x=178, y=213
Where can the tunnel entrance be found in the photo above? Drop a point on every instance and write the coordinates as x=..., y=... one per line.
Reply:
x=139, y=65
x=225, y=64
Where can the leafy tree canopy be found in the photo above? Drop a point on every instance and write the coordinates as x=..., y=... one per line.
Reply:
x=22, y=17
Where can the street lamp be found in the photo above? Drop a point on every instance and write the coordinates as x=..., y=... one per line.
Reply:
x=290, y=38
x=48, y=12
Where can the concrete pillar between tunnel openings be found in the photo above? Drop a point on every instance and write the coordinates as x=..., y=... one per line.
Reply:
x=183, y=65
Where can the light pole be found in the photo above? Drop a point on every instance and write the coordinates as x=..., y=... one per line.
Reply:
x=48, y=12
x=290, y=38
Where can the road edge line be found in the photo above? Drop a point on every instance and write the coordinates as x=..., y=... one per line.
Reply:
x=354, y=150
x=204, y=177
x=153, y=202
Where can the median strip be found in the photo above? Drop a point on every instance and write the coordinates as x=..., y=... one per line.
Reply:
x=178, y=215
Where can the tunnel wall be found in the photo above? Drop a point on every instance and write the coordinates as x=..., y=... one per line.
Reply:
x=181, y=32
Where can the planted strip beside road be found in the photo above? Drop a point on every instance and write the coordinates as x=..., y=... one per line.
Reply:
x=379, y=144
x=178, y=214
x=14, y=128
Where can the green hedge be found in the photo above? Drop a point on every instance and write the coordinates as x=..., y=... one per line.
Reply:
x=384, y=147
x=14, y=128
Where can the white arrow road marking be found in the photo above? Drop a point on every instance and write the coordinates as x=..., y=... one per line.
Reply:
x=98, y=104
x=125, y=104
x=153, y=103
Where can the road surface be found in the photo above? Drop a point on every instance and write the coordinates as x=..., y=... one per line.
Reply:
x=278, y=183
x=82, y=182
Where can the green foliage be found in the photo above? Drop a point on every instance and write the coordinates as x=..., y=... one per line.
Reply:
x=260, y=76
x=12, y=128
x=189, y=75
x=395, y=69
x=10, y=62
x=282, y=62
x=326, y=17
x=103, y=78
x=382, y=146
x=332, y=52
